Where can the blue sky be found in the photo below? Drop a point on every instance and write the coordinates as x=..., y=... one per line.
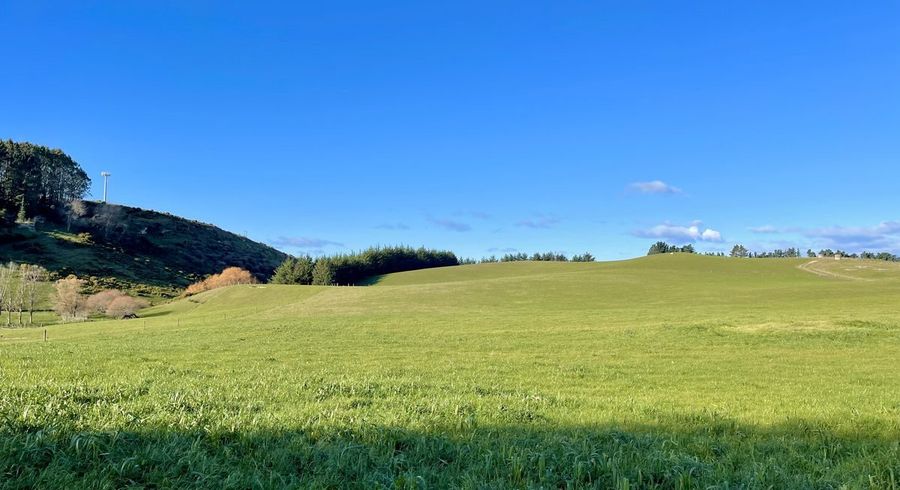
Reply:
x=482, y=127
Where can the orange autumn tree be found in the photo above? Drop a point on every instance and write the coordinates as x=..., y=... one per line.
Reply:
x=228, y=277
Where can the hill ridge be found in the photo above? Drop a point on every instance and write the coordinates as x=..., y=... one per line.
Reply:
x=150, y=252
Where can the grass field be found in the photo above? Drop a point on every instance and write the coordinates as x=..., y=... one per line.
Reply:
x=671, y=371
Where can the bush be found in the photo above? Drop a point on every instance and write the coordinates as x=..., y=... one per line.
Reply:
x=98, y=303
x=229, y=277
x=125, y=306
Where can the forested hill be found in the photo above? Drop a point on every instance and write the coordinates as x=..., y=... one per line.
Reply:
x=44, y=221
x=144, y=251
x=36, y=180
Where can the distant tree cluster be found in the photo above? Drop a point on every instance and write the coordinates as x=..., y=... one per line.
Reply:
x=19, y=289
x=886, y=256
x=665, y=248
x=353, y=268
x=35, y=179
x=741, y=251
x=535, y=257
x=777, y=254
x=230, y=276
x=880, y=256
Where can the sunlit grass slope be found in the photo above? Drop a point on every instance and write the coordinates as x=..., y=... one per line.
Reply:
x=662, y=372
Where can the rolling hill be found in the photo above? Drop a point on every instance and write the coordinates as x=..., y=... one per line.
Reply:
x=148, y=252
x=670, y=371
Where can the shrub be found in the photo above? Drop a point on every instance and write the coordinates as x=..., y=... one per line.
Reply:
x=98, y=303
x=229, y=277
x=124, y=306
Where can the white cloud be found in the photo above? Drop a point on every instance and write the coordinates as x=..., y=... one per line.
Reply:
x=692, y=233
x=654, y=187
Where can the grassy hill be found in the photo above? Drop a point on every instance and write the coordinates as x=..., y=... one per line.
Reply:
x=150, y=252
x=671, y=371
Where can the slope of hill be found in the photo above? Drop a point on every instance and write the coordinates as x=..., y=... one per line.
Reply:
x=662, y=372
x=132, y=248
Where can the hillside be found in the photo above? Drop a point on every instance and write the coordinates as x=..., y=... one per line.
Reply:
x=672, y=371
x=119, y=246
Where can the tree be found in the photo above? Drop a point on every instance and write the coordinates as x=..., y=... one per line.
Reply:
x=32, y=277
x=8, y=278
x=739, y=251
x=294, y=271
x=70, y=303
x=659, y=248
x=22, y=215
x=36, y=179
x=586, y=257
x=323, y=273
x=125, y=306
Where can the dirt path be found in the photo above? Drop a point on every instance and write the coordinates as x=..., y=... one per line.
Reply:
x=807, y=267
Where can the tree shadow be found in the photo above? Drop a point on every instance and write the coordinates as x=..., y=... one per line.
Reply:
x=709, y=453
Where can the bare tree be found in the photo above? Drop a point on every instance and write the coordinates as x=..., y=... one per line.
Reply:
x=76, y=210
x=7, y=284
x=32, y=277
x=69, y=300
x=17, y=297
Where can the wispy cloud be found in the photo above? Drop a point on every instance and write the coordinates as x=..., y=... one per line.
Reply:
x=539, y=222
x=764, y=229
x=449, y=224
x=392, y=226
x=474, y=214
x=506, y=250
x=304, y=242
x=692, y=233
x=654, y=187
x=883, y=236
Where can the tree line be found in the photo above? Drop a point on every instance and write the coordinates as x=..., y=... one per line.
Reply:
x=535, y=257
x=35, y=180
x=354, y=268
x=741, y=251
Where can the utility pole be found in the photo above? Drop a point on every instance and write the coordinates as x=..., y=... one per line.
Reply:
x=105, y=184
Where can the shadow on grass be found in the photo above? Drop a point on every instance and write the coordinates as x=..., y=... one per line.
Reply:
x=714, y=455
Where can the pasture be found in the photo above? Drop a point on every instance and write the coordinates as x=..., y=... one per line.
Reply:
x=671, y=371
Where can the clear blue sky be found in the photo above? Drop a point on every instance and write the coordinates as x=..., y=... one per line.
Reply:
x=476, y=126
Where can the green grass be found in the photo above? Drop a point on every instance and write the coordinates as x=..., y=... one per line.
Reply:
x=671, y=371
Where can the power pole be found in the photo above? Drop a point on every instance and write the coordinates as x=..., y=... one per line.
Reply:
x=105, y=184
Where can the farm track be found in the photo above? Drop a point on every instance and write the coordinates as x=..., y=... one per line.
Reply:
x=822, y=273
